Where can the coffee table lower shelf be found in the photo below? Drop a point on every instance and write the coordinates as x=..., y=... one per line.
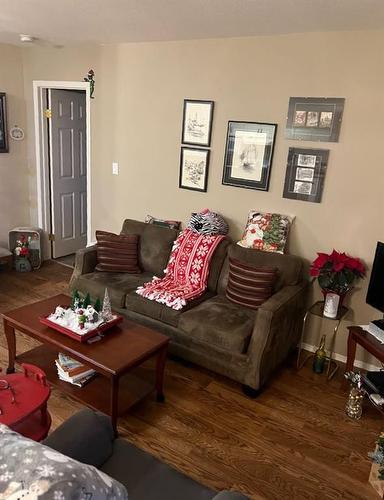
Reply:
x=97, y=392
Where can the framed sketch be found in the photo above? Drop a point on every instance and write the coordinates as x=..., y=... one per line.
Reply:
x=314, y=118
x=3, y=124
x=304, y=178
x=197, y=122
x=248, y=154
x=194, y=163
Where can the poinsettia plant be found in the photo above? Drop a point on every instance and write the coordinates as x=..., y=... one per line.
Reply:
x=337, y=271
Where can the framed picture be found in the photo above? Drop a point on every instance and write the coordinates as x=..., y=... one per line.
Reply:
x=3, y=124
x=194, y=164
x=314, y=118
x=248, y=154
x=304, y=178
x=197, y=122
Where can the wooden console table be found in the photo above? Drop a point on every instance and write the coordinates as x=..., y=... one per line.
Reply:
x=358, y=336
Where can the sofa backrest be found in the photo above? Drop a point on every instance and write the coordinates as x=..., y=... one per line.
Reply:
x=290, y=267
x=155, y=244
x=217, y=262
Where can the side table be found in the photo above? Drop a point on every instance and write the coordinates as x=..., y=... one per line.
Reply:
x=363, y=338
x=317, y=309
x=23, y=402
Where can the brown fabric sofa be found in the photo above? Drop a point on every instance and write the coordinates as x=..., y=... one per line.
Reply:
x=243, y=344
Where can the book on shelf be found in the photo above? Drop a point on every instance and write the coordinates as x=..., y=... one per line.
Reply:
x=72, y=371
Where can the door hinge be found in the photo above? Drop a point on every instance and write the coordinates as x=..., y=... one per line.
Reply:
x=48, y=113
x=51, y=237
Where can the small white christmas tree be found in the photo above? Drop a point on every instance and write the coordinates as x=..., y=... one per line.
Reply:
x=106, y=312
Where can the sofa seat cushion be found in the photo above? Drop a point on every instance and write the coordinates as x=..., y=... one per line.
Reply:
x=145, y=477
x=118, y=284
x=220, y=322
x=160, y=312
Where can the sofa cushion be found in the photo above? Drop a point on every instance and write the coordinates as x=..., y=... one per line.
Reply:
x=117, y=253
x=266, y=231
x=146, y=477
x=161, y=312
x=289, y=267
x=220, y=322
x=216, y=264
x=155, y=244
x=249, y=286
x=118, y=284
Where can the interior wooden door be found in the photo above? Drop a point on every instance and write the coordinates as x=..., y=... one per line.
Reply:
x=68, y=170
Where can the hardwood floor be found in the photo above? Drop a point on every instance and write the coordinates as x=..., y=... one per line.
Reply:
x=293, y=442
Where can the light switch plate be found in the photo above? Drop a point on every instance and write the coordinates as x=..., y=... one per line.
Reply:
x=115, y=168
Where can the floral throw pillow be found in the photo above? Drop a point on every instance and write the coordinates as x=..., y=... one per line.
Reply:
x=266, y=231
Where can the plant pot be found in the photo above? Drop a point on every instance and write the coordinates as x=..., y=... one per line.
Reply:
x=22, y=265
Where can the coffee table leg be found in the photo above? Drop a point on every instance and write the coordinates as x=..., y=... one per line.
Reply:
x=114, y=402
x=11, y=341
x=160, y=368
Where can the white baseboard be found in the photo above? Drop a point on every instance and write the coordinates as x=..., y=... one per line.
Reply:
x=343, y=359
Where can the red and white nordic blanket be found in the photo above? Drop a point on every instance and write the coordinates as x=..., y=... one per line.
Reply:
x=187, y=270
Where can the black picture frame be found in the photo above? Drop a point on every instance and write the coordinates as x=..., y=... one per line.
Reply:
x=3, y=124
x=197, y=122
x=249, y=154
x=314, y=118
x=194, y=167
x=305, y=174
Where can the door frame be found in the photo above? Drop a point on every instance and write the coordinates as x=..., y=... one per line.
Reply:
x=41, y=150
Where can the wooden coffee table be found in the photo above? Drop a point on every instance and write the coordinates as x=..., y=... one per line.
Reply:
x=117, y=358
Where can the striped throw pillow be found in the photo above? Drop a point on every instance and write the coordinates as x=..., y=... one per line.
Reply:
x=117, y=253
x=248, y=285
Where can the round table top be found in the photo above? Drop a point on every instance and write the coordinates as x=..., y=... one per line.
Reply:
x=24, y=397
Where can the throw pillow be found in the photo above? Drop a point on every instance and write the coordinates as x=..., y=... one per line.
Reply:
x=266, y=231
x=32, y=470
x=207, y=222
x=249, y=286
x=172, y=224
x=117, y=253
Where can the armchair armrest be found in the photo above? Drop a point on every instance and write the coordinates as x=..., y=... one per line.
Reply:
x=276, y=332
x=87, y=436
x=85, y=262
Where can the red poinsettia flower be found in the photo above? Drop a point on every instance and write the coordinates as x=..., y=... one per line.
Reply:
x=334, y=270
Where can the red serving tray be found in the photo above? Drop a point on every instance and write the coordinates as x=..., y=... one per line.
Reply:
x=81, y=338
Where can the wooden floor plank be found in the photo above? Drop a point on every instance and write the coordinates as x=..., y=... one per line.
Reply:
x=294, y=441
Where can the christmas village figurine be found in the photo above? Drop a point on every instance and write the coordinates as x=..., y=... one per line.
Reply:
x=82, y=316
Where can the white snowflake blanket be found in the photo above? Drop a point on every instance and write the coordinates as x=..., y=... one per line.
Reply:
x=187, y=270
x=31, y=471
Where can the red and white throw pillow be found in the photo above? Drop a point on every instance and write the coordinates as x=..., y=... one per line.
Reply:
x=248, y=285
x=266, y=231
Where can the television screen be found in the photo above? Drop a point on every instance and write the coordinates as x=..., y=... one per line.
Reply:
x=375, y=295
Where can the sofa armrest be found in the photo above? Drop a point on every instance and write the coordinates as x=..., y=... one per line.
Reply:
x=276, y=332
x=87, y=436
x=85, y=262
x=230, y=495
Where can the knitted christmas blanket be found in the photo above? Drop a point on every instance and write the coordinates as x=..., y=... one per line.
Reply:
x=187, y=270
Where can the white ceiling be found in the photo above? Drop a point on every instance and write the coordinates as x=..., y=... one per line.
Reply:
x=110, y=21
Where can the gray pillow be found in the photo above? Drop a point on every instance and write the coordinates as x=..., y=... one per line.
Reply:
x=32, y=470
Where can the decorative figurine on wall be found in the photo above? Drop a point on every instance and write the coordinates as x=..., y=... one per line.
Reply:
x=90, y=78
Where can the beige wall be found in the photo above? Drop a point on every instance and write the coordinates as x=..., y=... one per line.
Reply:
x=136, y=120
x=14, y=192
